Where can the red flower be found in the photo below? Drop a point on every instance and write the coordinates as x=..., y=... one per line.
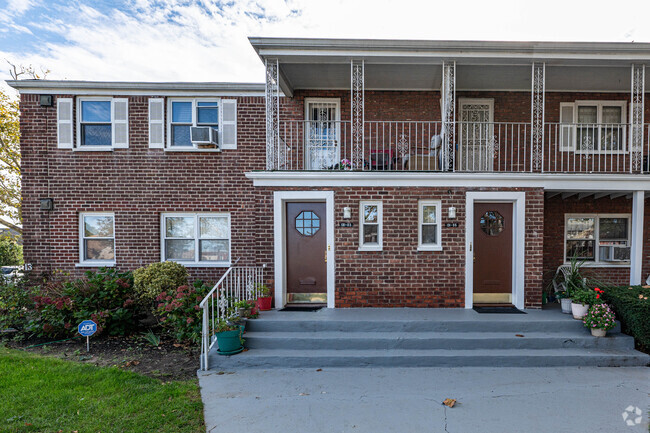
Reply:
x=597, y=296
x=190, y=320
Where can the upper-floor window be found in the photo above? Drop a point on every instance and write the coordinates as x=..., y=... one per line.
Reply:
x=593, y=126
x=102, y=123
x=598, y=238
x=186, y=114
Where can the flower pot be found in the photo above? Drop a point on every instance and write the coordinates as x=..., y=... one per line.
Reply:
x=244, y=312
x=566, y=305
x=579, y=310
x=229, y=342
x=596, y=332
x=264, y=303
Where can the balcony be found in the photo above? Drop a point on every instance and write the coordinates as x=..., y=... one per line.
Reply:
x=480, y=147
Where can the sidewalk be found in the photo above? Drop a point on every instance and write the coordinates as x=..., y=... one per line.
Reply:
x=404, y=400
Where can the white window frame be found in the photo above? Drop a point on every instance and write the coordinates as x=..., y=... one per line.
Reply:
x=597, y=217
x=196, y=263
x=574, y=126
x=380, y=226
x=430, y=246
x=194, y=101
x=77, y=145
x=95, y=263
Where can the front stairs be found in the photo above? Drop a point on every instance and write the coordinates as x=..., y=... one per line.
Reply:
x=406, y=337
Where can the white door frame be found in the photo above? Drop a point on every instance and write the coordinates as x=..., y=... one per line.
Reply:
x=337, y=123
x=518, y=199
x=280, y=199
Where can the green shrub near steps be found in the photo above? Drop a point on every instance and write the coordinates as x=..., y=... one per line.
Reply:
x=631, y=304
x=150, y=281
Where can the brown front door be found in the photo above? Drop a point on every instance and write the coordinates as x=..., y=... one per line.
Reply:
x=493, y=253
x=306, y=252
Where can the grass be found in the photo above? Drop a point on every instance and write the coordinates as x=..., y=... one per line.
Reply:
x=43, y=394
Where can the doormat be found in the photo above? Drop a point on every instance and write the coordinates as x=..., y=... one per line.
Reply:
x=305, y=308
x=498, y=310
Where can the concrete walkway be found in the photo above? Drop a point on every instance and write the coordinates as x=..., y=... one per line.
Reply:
x=404, y=400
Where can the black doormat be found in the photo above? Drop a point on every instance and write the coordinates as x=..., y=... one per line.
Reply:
x=300, y=308
x=498, y=310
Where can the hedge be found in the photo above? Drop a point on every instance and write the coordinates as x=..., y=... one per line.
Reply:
x=631, y=305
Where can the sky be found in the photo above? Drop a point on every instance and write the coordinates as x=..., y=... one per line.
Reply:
x=203, y=40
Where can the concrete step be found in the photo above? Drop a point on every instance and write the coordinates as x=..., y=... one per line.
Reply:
x=562, y=324
x=279, y=358
x=432, y=340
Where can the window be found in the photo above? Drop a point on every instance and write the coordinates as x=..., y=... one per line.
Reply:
x=429, y=227
x=598, y=238
x=191, y=112
x=593, y=126
x=199, y=239
x=97, y=239
x=102, y=123
x=370, y=226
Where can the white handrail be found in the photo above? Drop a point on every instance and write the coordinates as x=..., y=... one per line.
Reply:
x=236, y=284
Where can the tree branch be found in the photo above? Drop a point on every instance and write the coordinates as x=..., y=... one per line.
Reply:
x=11, y=226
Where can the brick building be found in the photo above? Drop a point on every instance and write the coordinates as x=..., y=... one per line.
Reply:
x=363, y=173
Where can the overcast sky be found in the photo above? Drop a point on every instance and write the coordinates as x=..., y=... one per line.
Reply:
x=202, y=40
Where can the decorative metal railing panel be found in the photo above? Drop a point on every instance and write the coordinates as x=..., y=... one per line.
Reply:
x=236, y=284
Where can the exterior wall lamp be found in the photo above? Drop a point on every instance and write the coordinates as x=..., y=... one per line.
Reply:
x=451, y=212
x=347, y=213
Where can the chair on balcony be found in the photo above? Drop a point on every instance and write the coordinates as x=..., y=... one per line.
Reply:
x=432, y=161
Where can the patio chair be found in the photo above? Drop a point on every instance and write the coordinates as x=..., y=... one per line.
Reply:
x=560, y=286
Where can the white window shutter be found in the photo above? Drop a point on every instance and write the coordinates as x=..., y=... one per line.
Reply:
x=156, y=123
x=120, y=123
x=567, y=127
x=64, y=123
x=228, y=127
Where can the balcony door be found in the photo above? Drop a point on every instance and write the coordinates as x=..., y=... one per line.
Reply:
x=477, y=142
x=322, y=133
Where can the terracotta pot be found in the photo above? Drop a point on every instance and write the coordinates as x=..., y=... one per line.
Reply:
x=264, y=303
x=596, y=332
x=579, y=310
x=566, y=305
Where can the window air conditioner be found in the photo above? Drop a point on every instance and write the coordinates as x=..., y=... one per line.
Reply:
x=204, y=136
x=615, y=253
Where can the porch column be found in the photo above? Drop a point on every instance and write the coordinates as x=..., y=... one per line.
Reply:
x=538, y=88
x=357, y=116
x=273, y=160
x=636, y=251
x=448, y=95
x=636, y=117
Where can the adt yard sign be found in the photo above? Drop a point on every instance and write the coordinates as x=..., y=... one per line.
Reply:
x=87, y=328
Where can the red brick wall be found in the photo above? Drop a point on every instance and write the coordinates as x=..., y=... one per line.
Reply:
x=555, y=210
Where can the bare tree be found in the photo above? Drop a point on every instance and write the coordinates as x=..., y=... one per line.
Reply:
x=17, y=71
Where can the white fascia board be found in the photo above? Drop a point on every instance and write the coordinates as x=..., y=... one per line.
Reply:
x=563, y=182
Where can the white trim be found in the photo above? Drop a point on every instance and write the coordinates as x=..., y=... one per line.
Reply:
x=599, y=117
x=380, y=225
x=67, y=124
x=438, y=245
x=77, y=145
x=554, y=181
x=636, y=252
x=168, y=143
x=280, y=198
x=518, y=239
x=197, y=238
x=596, y=263
x=156, y=123
x=95, y=263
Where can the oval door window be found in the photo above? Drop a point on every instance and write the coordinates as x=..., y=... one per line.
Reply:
x=492, y=223
x=307, y=223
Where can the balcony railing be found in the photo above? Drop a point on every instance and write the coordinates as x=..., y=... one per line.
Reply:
x=477, y=147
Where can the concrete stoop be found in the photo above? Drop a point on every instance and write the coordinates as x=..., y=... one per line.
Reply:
x=426, y=338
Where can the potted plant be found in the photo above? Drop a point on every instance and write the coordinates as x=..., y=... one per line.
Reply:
x=580, y=302
x=565, y=302
x=243, y=308
x=229, y=340
x=264, y=298
x=599, y=319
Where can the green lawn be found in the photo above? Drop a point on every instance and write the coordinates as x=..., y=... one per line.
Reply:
x=41, y=394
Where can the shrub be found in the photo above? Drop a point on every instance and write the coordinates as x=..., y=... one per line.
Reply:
x=180, y=312
x=11, y=253
x=600, y=316
x=150, y=281
x=104, y=296
x=15, y=304
x=632, y=307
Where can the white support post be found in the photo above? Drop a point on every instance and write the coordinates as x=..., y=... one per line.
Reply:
x=538, y=89
x=636, y=117
x=357, y=102
x=274, y=155
x=636, y=253
x=448, y=95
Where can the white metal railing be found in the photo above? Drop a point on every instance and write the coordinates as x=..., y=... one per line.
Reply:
x=236, y=284
x=478, y=147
